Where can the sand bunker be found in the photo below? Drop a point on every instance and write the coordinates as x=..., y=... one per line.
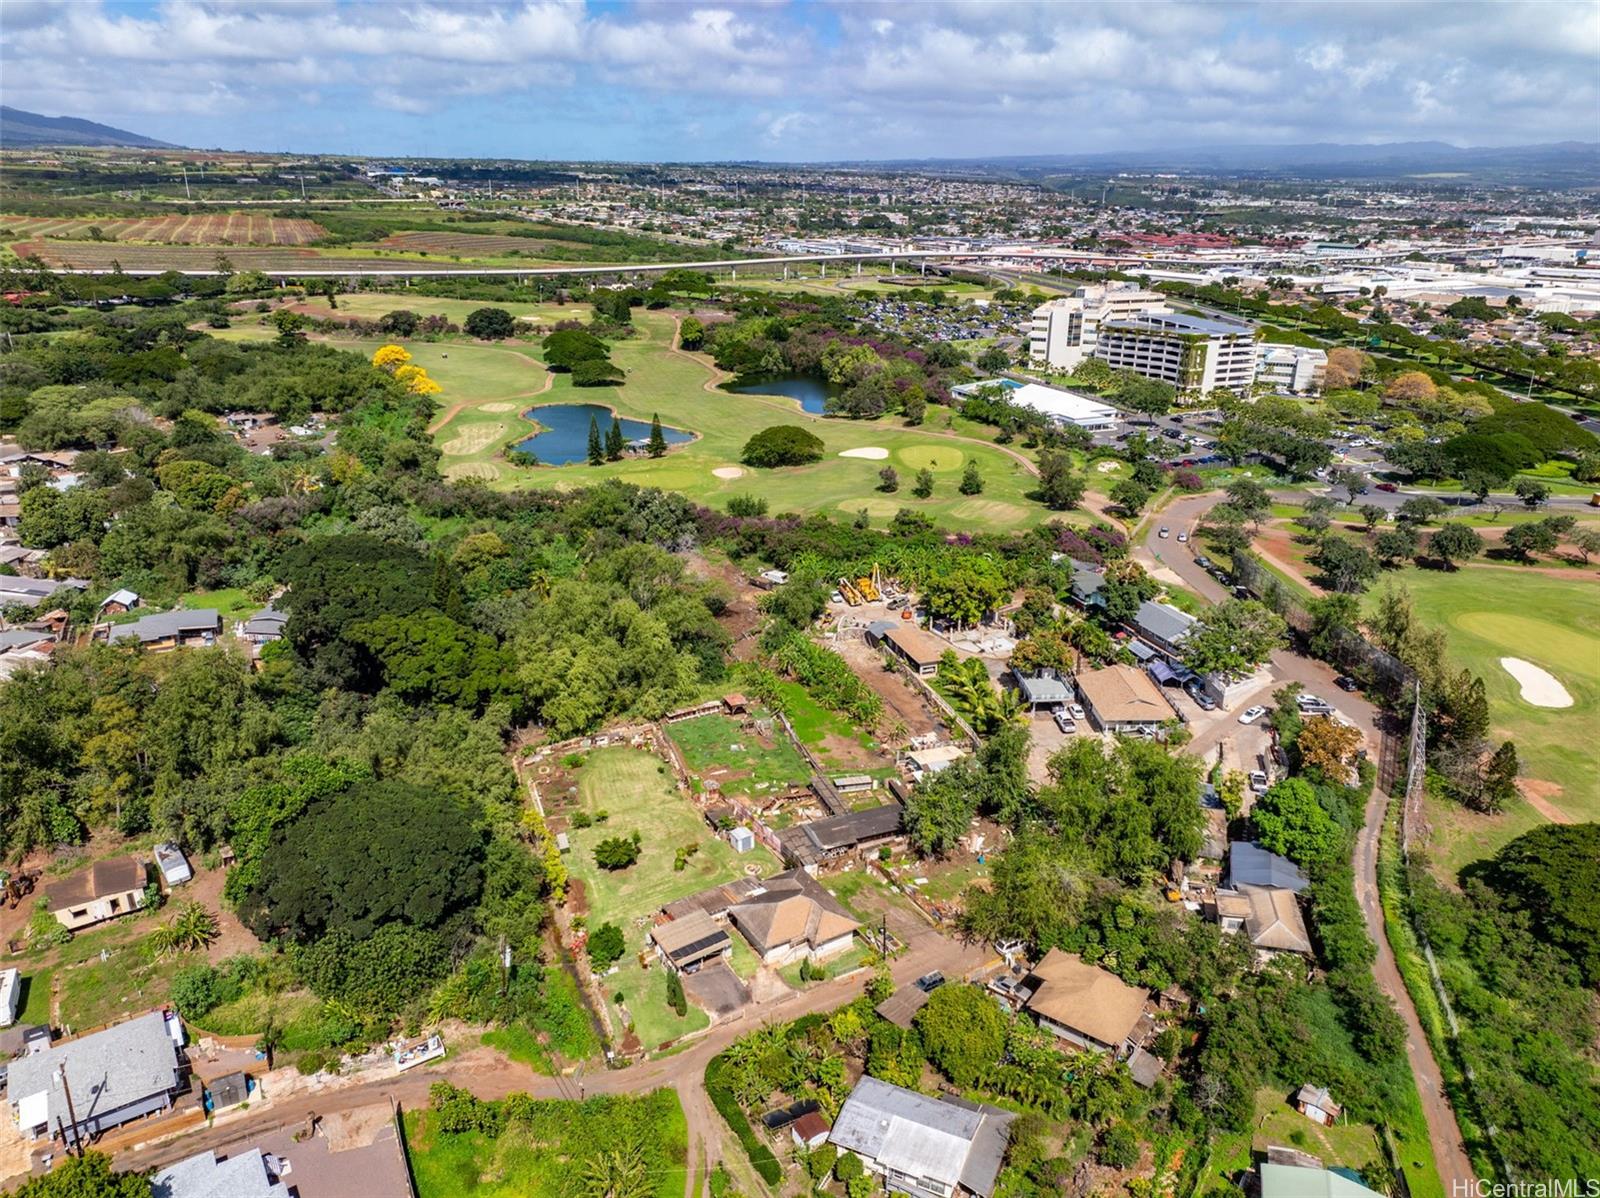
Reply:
x=874, y=452
x=1103, y=467
x=1539, y=686
x=497, y=407
x=728, y=472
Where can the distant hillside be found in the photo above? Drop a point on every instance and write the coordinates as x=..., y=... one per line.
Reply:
x=19, y=128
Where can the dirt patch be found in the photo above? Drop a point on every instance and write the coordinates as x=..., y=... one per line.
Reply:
x=1538, y=794
x=900, y=701
x=487, y=471
x=499, y=407
x=742, y=616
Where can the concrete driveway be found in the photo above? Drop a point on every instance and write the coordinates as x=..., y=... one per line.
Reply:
x=716, y=990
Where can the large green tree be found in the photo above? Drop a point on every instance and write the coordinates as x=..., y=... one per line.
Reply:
x=381, y=853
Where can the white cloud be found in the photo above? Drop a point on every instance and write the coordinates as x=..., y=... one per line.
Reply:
x=856, y=78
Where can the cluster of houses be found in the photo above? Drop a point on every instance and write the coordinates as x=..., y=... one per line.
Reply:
x=786, y=918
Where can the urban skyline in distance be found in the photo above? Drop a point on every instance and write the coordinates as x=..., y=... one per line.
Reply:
x=787, y=82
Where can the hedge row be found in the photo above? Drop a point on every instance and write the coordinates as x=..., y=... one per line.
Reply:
x=728, y=1106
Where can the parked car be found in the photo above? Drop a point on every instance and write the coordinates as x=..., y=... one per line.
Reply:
x=1251, y=714
x=1202, y=561
x=929, y=982
x=1346, y=683
x=1306, y=699
x=1183, y=538
x=1065, y=722
x=1241, y=592
x=1388, y=487
x=1258, y=782
x=1164, y=533
x=1076, y=711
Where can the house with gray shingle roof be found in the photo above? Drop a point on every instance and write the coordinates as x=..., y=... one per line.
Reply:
x=925, y=1147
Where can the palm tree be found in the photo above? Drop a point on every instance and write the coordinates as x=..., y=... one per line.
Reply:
x=617, y=1173
x=271, y=1039
x=191, y=927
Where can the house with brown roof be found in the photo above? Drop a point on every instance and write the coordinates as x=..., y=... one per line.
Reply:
x=1273, y=922
x=918, y=649
x=1083, y=1004
x=104, y=891
x=687, y=944
x=1122, y=699
x=788, y=926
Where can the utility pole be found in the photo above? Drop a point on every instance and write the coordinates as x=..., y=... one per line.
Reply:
x=72, y=1114
x=505, y=966
x=185, y=171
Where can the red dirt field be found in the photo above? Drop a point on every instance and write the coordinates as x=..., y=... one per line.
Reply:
x=221, y=228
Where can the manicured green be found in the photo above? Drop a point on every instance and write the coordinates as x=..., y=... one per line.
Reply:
x=1490, y=613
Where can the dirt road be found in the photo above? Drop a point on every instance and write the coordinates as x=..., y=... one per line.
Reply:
x=489, y=1075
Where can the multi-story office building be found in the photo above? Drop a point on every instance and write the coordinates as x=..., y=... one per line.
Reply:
x=1196, y=354
x=1063, y=331
x=1291, y=369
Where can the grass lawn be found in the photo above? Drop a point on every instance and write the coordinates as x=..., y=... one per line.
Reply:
x=371, y=305
x=644, y=1006
x=231, y=602
x=126, y=983
x=34, y=1003
x=637, y=792
x=544, y=1158
x=674, y=386
x=298, y=1013
x=1549, y=621
x=719, y=749
x=1350, y=1144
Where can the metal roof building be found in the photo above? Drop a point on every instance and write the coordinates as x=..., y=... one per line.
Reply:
x=204, y=1176
x=921, y=1146
x=1251, y=865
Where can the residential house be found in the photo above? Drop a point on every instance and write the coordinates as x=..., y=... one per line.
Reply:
x=1087, y=583
x=1122, y=699
x=685, y=945
x=264, y=627
x=118, y=602
x=807, y=846
x=18, y=591
x=1084, y=1004
x=810, y=1130
x=1316, y=1104
x=919, y=649
x=788, y=926
x=1300, y=1181
x=125, y=1072
x=925, y=1147
x=104, y=891
x=1163, y=627
x=206, y=1175
x=346, y=1154
x=1251, y=865
x=1273, y=922
x=169, y=630
x=901, y=1007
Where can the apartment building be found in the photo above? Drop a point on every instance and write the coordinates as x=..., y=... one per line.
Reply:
x=1196, y=354
x=1291, y=369
x=1063, y=331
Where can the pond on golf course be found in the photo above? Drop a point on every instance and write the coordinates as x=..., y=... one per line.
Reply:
x=812, y=392
x=565, y=438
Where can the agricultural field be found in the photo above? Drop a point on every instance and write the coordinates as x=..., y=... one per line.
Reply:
x=465, y=245
x=1493, y=613
x=636, y=792
x=103, y=255
x=222, y=229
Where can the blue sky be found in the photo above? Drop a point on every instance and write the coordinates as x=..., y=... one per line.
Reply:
x=790, y=81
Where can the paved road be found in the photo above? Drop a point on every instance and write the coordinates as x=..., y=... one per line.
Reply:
x=1449, y=1152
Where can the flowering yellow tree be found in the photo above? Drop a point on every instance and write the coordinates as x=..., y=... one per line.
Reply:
x=393, y=359
x=390, y=358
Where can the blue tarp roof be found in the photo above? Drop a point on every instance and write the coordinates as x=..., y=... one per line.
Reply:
x=1251, y=865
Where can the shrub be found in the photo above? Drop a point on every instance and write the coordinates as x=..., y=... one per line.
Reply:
x=782, y=445
x=676, y=999
x=728, y=1107
x=491, y=324
x=605, y=947
x=615, y=853
x=596, y=372
x=1119, y=1147
x=746, y=505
